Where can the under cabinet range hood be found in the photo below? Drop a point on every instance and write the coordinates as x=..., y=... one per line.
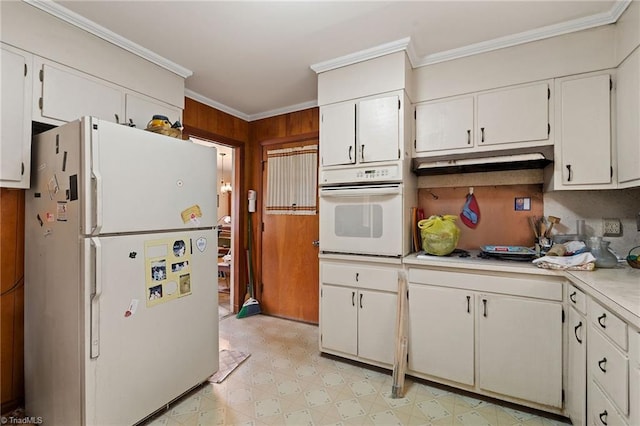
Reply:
x=487, y=161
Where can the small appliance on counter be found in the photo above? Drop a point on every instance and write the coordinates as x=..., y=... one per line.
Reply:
x=507, y=252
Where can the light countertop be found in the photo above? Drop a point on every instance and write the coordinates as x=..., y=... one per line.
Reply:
x=617, y=288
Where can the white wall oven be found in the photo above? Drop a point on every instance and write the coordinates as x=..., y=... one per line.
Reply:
x=363, y=219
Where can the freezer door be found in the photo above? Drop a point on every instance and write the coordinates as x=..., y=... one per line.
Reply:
x=138, y=181
x=152, y=317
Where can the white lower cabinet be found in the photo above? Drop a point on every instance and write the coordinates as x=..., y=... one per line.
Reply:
x=441, y=332
x=358, y=304
x=576, y=395
x=520, y=348
x=498, y=335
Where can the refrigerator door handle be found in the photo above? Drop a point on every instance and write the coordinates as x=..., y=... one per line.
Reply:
x=95, y=298
x=97, y=178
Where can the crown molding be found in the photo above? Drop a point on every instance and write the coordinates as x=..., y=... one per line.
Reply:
x=214, y=104
x=284, y=110
x=246, y=117
x=363, y=55
x=85, y=24
x=567, y=27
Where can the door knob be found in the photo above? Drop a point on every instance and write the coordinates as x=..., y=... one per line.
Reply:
x=316, y=243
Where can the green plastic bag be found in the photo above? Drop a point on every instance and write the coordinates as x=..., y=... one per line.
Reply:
x=439, y=234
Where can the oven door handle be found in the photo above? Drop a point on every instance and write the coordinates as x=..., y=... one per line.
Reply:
x=359, y=192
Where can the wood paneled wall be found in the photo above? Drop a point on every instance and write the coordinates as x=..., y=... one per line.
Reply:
x=12, y=298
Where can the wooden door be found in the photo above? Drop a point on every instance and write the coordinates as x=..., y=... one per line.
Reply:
x=290, y=279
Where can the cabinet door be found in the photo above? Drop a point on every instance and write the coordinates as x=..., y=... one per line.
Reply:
x=585, y=132
x=441, y=337
x=577, y=364
x=377, y=325
x=338, y=134
x=518, y=114
x=339, y=319
x=378, y=138
x=444, y=125
x=520, y=348
x=628, y=121
x=68, y=95
x=15, y=145
x=140, y=110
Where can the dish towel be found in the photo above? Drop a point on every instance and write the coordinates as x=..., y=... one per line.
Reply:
x=577, y=262
x=470, y=214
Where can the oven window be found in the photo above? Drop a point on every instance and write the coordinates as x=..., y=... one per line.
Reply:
x=358, y=220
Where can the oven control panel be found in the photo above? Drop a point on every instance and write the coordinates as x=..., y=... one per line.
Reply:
x=361, y=174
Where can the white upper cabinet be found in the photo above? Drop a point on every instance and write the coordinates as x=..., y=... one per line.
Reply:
x=512, y=117
x=378, y=129
x=65, y=95
x=519, y=114
x=444, y=124
x=628, y=121
x=15, y=147
x=583, y=150
x=338, y=134
x=360, y=131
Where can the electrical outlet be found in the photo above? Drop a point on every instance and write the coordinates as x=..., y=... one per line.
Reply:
x=611, y=227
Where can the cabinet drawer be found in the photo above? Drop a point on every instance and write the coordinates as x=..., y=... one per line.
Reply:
x=612, y=326
x=577, y=299
x=370, y=277
x=601, y=411
x=609, y=367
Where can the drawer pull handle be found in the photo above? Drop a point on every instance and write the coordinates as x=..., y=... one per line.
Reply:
x=601, y=319
x=603, y=417
x=357, y=276
x=572, y=296
x=468, y=304
x=353, y=298
x=575, y=331
x=603, y=365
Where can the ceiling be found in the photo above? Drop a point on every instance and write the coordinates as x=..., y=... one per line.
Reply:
x=253, y=59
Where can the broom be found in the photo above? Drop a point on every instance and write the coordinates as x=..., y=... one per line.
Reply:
x=251, y=306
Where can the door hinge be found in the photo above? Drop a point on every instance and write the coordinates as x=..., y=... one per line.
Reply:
x=562, y=396
x=25, y=70
x=40, y=103
x=415, y=144
x=41, y=75
x=399, y=154
x=548, y=129
x=398, y=104
x=263, y=165
x=321, y=292
x=610, y=84
x=548, y=93
x=563, y=315
x=407, y=358
x=262, y=226
x=611, y=171
x=22, y=169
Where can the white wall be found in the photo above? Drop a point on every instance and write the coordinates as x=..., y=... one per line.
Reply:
x=593, y=206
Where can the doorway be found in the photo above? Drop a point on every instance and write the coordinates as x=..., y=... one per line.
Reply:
x=225, y=216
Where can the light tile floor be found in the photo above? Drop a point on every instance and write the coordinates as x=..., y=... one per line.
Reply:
x=285, y=381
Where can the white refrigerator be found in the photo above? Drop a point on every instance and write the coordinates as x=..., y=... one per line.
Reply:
x=121, y=312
